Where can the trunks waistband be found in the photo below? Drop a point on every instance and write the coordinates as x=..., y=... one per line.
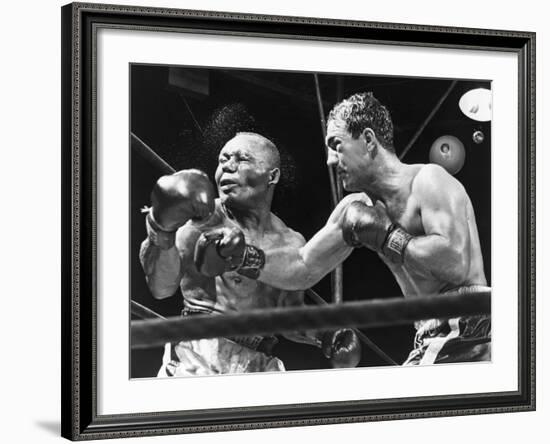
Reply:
x=263, y=344
x=428, y=325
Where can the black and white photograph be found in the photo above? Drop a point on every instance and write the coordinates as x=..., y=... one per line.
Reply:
x=275, y=222
x=290, y=220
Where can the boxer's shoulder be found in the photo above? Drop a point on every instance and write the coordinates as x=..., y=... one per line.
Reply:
x=428, y=175
x=293, y=238
x=283, y=233
x=432, y=180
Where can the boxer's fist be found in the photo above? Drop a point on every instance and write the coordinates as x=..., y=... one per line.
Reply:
x=342, y=347
x=364, y=225
x=219, y=250
x=372, y=227
x=176, y=198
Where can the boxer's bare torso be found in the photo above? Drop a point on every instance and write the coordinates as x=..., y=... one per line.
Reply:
x=431, y=205
x=419, y=209
x=232, y=291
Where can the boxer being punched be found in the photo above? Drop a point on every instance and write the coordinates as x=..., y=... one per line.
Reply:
x=213, y=250
x=421, y=224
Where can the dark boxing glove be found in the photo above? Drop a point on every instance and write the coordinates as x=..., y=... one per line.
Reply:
x=225, y=249
x=176, y=198
x=342, y=347
x=371, y=227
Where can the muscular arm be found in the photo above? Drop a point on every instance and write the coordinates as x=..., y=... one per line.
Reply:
x=162, y=269
x=165, y=270
x=443, y=252
x=295, y=266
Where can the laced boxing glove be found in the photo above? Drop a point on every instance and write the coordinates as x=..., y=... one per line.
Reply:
x=225, y=249
x=176, y=198
x=342, y=347
x=370, y=226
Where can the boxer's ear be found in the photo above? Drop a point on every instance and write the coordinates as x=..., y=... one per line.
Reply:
x=274, y=176
x=370, y=141
x=369, y=136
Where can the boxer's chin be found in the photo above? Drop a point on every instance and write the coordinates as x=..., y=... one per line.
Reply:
x=224, y=197
x=227, y=198
x=347, y=183
x=232, y=199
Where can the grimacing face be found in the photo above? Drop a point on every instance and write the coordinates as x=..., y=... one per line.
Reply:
x=347, y=154
x=243, y=171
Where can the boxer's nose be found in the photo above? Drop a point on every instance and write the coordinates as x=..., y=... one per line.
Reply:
x=229, y=166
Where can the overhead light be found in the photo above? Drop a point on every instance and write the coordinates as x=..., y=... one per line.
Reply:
x=477, y=104
x=448, y=151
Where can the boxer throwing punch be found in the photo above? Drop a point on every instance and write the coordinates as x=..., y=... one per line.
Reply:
x=421, y=224
x=213, y=250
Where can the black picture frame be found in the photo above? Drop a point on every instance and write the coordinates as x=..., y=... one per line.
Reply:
x=79, y=211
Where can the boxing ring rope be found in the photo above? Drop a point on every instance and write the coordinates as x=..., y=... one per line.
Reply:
x=337, y=192
x=143, y=312
x=428, y=119
x=149, y=154
x=372, y=313
x=362, y=336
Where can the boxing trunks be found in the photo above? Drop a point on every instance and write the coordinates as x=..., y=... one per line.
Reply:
x=214, y=357
x=247, y=354
x=463, y=339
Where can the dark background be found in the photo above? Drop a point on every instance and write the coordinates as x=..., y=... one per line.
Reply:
x=187, y=114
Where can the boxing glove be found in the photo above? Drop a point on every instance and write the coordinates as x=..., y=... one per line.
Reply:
x=225, y=249
x=371, y=226
x=342, y=347
x=176, y=198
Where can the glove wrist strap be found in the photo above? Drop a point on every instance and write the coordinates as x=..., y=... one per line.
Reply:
x=253, y=262
x=395, y=244
x=159, y=237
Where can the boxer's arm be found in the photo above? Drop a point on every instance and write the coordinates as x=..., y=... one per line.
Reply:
x=443, y=253
x=165, y=270
x=176, y=199
x=297, y=266
x=162, y=269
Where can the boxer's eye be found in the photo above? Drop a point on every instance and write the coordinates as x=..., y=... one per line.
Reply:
x=334, y=143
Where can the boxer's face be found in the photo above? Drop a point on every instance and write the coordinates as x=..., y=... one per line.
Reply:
x=347, y=154
x=244, y=172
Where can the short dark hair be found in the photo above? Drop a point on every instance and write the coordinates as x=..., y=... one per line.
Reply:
x=361, y=111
